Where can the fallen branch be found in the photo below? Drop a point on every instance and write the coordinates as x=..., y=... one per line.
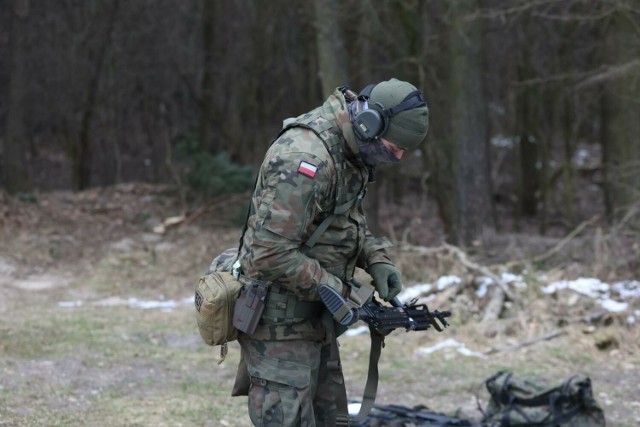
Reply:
x=197, y=213
x=566, y=240
x=500, y=295
x=479, y=268
x=525, y=343
x=561, y=244
x=494, y=308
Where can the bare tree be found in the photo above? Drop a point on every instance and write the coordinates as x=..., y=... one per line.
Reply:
x=14, y=156
x=207, y=84
x=332, y=55
x=621, y=109
x=469, y=127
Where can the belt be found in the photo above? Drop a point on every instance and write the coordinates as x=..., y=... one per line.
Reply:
x=283, y=305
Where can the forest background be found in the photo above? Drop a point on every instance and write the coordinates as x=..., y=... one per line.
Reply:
x=130, y=133
x=534, y=104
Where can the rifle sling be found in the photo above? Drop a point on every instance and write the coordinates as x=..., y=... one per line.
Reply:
x=371, y=387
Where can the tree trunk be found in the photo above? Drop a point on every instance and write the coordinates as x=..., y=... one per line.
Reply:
x=469, y=127
x=527, y=148
x=364, y=45
x=332, y=55
x=567, y=167
x=621, y=117
x=15, y=172
x=206, y=104
x=83, y=155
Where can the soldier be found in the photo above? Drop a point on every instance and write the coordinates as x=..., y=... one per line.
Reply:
x=306, y=228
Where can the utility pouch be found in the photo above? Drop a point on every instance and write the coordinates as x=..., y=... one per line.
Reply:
x=250, y=306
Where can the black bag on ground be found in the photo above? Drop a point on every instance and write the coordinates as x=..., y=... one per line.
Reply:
x=515, y=402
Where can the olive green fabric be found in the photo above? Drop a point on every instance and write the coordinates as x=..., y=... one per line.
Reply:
x=291, y=385
x=518, y=402
x=408, y=128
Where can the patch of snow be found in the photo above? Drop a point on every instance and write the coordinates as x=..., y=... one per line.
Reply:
x=627, y=289
x=414, y=291
x=164, y=305
x=151, y=304
x=613, y=306
x=590, y=287
x=69, y=304
x=352, y=332
x=451, y=343
x=483, y=286
x=506, y=276
x=40, y=282
x=446, y=281
x=353, y=408
x=599, y=291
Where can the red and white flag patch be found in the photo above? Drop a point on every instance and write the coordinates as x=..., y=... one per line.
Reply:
x=307, y=169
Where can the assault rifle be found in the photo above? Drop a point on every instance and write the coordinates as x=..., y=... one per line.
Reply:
x=383, y=319
x=417, y=317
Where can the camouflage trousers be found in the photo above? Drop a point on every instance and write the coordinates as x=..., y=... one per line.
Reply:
x=290, y=383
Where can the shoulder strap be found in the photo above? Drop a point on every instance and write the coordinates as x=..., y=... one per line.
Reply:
x=338, y=210
x=371, y=386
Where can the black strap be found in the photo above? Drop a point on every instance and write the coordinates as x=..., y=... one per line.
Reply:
x=412, y=100
x=366, y=92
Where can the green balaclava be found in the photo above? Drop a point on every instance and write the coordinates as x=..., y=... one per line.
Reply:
x=408, y=128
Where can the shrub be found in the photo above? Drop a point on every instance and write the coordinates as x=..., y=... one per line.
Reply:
x=213, y=175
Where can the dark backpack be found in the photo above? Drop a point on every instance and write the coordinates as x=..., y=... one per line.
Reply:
x=515, y=402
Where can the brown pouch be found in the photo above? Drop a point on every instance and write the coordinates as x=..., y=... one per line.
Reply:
x=215, y=297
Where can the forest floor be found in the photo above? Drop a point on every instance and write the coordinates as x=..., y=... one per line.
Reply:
x=97, y=322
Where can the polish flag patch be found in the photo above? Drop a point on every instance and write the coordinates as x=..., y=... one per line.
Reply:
x=307, y=169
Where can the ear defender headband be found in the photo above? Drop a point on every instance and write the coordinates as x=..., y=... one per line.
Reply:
x=371, y=123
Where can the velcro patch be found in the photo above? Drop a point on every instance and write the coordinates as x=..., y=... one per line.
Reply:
x=307, y=169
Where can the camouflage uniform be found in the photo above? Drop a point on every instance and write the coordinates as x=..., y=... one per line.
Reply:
x=304, y=178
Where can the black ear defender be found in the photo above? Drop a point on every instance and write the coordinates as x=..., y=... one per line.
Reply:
x=372, y=122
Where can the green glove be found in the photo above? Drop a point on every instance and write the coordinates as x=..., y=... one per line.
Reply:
x=386, y=279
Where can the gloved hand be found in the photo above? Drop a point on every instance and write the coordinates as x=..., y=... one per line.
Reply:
x=386, y=279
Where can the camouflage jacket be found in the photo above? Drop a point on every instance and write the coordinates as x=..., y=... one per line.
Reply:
x=302, y=180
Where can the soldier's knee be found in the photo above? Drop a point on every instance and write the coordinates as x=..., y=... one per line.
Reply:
x=275, y=404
